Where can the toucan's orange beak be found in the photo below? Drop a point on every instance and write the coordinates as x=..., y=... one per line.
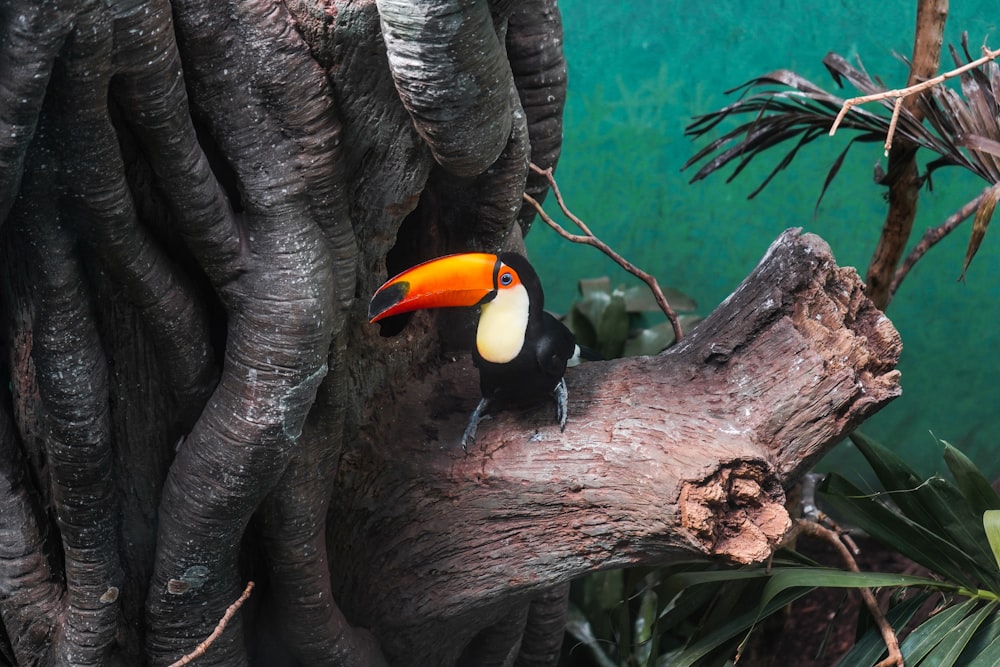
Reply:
x=466, y=279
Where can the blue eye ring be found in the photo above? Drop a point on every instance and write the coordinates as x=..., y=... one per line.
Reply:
x=506, y=278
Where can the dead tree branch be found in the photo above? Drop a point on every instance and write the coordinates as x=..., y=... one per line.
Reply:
x=837, y=541
x=683, y=454
x=902, y=93
x=933, y=236
x=589, y=238
x=902, y=176
x=223, y=622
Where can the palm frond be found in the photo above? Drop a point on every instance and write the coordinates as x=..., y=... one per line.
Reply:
x=963, y=129
x=782, y=106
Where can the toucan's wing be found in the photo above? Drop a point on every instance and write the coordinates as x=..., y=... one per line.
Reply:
x=555, y=347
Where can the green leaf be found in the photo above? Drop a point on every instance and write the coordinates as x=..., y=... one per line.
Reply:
x=612, y=328
x=593, y=306
x=581, y=326
x=604, y=590
x=579, y=628
x=895, y=530
x=812, y=577
x=988, y=632
x=594, y=286
x=894, y=473
x=825, y=577
x=924, y=638
x=949, y=515
x=677, y=612
x=737, y=624
x=971, y=482
x=645, y=626
x=640, y=299
x=870, y=647
x=991, y=524
x=781, y=578
x=947, y=652
x=647, y=342
x=936, y=504
x=990, y=657
x=730, y=599
x=684, y=580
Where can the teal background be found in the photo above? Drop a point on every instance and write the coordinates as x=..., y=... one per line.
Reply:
x=638, y=73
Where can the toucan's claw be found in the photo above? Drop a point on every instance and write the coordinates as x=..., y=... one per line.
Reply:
x=561, y=395
x=469, y=436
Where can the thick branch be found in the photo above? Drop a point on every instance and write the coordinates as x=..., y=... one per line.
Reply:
x=903, y=178
x=543, y=633
x=297, y=276
x=73, y=393
x=107, y=217
x=30, y=38
x=448, y=64
x=32, y=600
x=665, y=457
x=534, y=46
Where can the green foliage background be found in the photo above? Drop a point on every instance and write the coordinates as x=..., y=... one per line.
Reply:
x=640, y=70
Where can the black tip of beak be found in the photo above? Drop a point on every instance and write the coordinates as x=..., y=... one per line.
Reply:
x=386, y=298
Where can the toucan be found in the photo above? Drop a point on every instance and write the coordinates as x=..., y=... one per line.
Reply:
x=521, y=351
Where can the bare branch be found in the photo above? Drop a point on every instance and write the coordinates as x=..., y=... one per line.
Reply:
x=588, y=238
x=223, y=622
x=813, y=529
x=902, y=174
x=902, y=93
x=933, y=236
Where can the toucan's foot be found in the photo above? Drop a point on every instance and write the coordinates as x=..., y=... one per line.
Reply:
x=470, y=431
x=562, y=399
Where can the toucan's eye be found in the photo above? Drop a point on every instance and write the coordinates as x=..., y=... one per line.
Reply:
x=506, y=278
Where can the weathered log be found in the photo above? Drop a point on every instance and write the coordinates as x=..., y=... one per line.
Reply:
x=680, y=455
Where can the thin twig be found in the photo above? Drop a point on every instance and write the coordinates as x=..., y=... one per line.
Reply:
x=813, y=529
x=932, y=236
x=223, y=622
x=588, y=238
x=892, y=125
x=899, y=94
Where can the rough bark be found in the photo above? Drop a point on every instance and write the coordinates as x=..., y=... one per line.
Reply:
x=534, y=46
x=196, y=200
x=668, y=457
x=902, y=176
x=447, y=60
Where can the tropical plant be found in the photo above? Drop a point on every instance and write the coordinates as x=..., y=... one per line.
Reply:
x=702, y=614
x=961, y=127
x=615, y=321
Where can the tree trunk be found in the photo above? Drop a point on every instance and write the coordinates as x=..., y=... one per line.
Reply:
x=686, y=454
x=903, y=175
x=197, y=199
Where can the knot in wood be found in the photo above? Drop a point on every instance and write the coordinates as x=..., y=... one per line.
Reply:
x=737, y=513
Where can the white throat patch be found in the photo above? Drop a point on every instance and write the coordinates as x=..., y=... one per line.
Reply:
x=502, y=325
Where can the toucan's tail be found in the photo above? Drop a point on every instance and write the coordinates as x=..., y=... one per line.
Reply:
x=583, y=353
